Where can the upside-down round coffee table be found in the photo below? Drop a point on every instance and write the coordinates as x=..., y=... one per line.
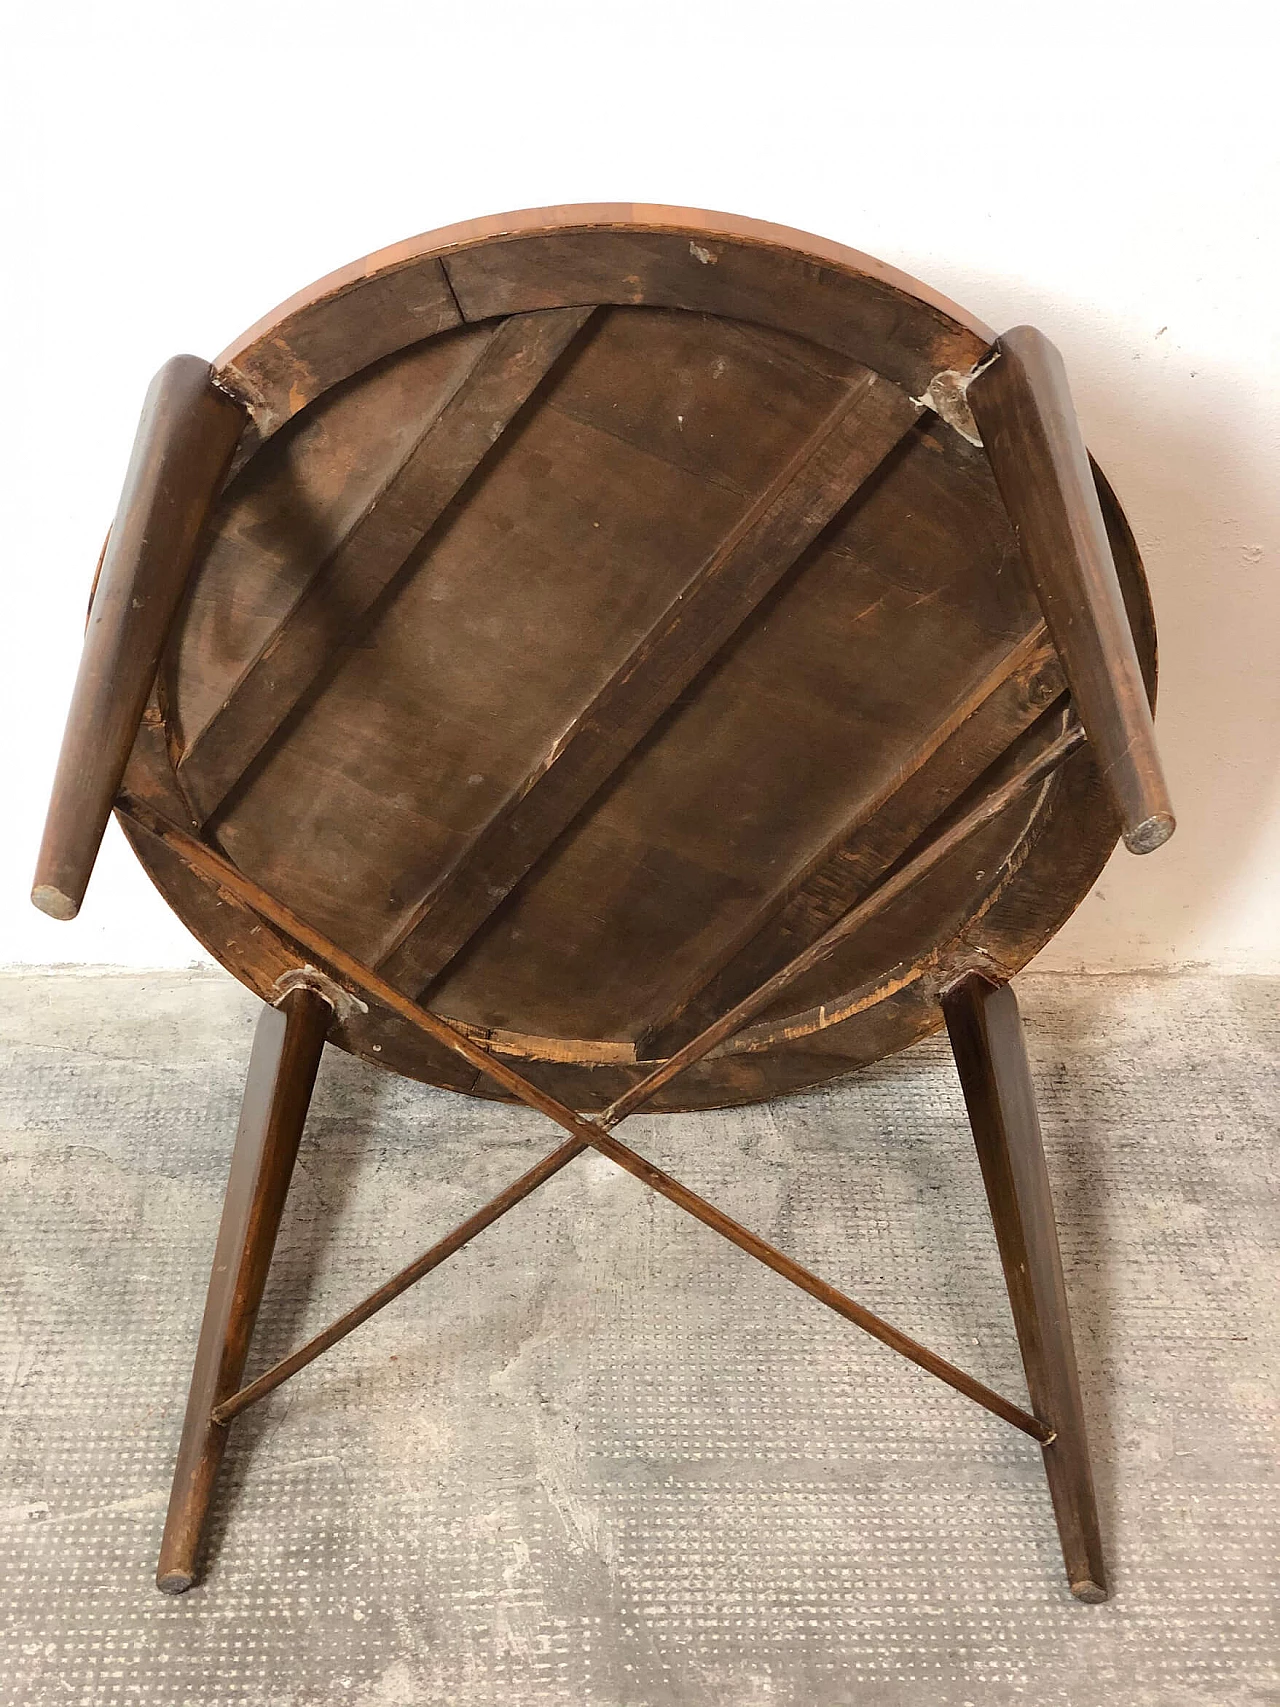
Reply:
x=610, y=657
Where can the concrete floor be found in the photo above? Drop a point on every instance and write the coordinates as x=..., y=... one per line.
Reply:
x=601, y=1457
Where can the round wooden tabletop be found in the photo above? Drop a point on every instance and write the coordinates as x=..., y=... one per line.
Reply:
x=595, y=612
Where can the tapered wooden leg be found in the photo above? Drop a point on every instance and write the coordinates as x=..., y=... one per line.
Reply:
x=186, y=439
x=986, y=1036
x=1022, y=405
x=282, y=1071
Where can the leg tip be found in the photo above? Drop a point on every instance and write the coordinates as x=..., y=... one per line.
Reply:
x=53, y=902
x=1089, y=1591
x=1151, y=834
x=174, y=1582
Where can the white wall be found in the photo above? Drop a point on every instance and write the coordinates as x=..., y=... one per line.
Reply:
x=1108, y=172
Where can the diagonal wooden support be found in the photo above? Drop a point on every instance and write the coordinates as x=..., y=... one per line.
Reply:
x=896, y=883
x=672, y=1189
x=997, y=710
x=520, y=353
x=754, y=1246
x=210, y=865
x=220, y=873
x=824, y=475
x=400, y=1283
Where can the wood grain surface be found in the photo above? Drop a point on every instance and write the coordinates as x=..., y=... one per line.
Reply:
x=594, y=614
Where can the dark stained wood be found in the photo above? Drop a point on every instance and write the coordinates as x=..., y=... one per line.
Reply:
x=547, y=572
x=214, y=914
x=1023, y=408
x=857, y=313
x=624, y=253
x=362, y=981
x=991, y=1058
x=287, y=510
x=814, y=707
x=185, y=440
x=507, y=369
x=314, y=342
x=937, y=771
x=798, y=762
x=961, y=887
x=368, y=982
x=898, y=882
x=867, y=422
x=286, y=1055
x=596, y=626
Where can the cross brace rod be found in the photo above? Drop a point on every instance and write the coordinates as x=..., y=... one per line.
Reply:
x=701, y=1210
x=586, y=1133
x=766, y=1253
x=407, y=1277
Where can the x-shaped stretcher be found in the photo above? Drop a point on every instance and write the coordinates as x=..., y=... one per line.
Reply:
x=597, y=1134
x=1019, y=401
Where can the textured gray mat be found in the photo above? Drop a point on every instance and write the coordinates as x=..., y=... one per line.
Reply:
x=601, y=1457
